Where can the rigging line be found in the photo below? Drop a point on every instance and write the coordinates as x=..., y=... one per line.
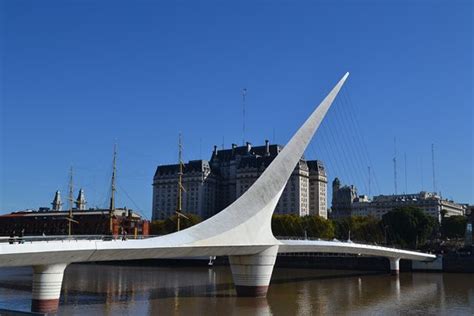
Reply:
x=333, y=145
x=350, y=156
x=359, y=159
x=346, y=175
x=357, y=128
x=139, y=209
x=334, y=167
x=327, y=161
x=339, y=131
x=331, y=168
x=362, y=140
x=357, y=155
x=352, y=159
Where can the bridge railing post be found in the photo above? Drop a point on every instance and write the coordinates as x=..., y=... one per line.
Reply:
x=47, y=282
x=252, y=273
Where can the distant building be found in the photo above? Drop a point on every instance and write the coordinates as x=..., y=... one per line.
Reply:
x=428, y=202
x=318, y=188
x=87, y=222
x=199, y=194
x=342, y=199
x=230, y=173
x=469, y=236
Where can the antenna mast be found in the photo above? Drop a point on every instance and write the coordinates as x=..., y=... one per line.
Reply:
x=112, y=197
x=180, y=184
x=406, y=179
x=369, y=179
x=433, y=166
x=421, y=171
x=71, y=199
x=244, y=94
x=395, y=164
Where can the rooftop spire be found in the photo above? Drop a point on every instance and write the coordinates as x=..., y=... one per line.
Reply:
x=81, y=200
x=57, y=204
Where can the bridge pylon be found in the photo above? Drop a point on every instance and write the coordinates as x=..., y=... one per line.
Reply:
x=47, y=281
x=394, y=266
x=252, y=273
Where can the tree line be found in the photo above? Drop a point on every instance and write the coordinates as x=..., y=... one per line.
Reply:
x=406, y=227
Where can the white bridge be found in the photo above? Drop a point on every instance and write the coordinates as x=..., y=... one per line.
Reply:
x=241, y=231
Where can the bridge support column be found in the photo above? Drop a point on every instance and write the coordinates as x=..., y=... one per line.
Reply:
x=252, y=273
x=47, y=281
x=394, y=266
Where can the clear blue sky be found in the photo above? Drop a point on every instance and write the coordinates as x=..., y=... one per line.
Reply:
x=77, y=76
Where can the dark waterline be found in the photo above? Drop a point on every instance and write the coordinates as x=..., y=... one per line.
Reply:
x=131, y=290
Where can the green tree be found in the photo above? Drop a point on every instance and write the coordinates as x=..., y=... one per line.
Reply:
x=453, y=226
x=287, y=225
x=409, y=226
x=361, y=228
x=157, y=227
x=169, y=225
x=318, y=227
x=295, y=226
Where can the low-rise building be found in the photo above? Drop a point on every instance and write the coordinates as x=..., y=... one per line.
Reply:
x=428, y=202
x=55, y=221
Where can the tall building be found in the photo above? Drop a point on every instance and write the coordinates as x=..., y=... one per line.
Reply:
x=318, y=188
x=342, y=199
x=199, y=190
x=228, y=174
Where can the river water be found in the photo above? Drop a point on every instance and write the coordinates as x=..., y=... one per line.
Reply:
x=90, y=289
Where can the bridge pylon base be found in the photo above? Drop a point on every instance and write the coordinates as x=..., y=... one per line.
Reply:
x=252, y=273
x=47, y=282
x=394, y=266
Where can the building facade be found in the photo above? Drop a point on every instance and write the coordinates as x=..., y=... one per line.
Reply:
x=318, y=188
x=92, y=221
x=342, y=199
x=199, y=190
x=228, y=174
x=428, y=202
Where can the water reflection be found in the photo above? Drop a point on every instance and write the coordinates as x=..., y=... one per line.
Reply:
x=112, y=290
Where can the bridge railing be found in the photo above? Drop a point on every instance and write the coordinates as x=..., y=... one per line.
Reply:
x=374, y=244
x=67, y=238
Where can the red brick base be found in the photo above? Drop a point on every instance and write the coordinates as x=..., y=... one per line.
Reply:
x=44, y=306
x=251, y=291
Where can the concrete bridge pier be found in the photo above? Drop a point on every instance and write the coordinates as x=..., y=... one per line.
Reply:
x=252, y=273
x=47, y=281
x=394, y=266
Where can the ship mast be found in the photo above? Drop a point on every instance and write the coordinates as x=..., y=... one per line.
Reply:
x=178, y=212
x=112, y=197
x=71, y=200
